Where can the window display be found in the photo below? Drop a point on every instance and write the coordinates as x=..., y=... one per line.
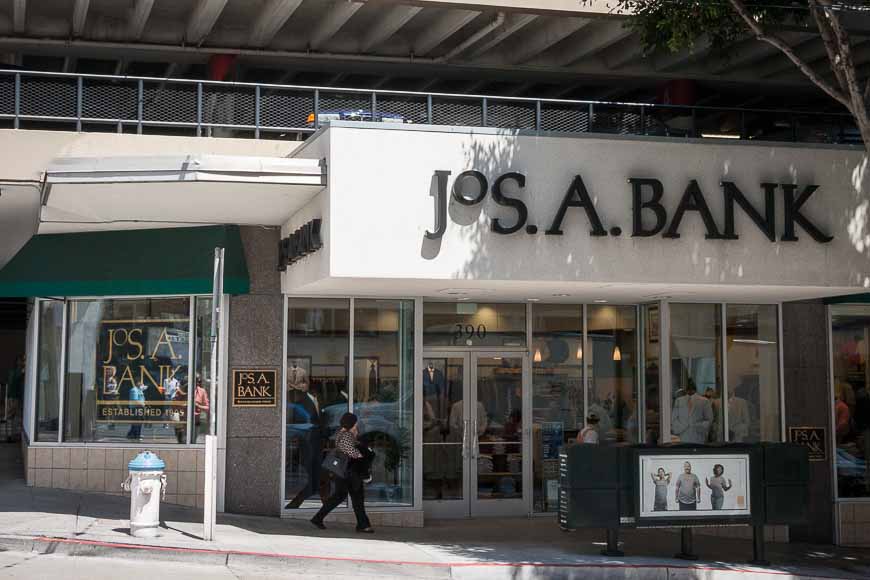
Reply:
x=383, y=395
x=127, y=370
x=850, y=335
x=318, y=343
x=48, y=370
x=612, y=367
x=696, y=373
x=557, y=393
x=752, y=335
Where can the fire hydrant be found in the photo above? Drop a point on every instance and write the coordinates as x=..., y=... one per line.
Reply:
x=147, y=486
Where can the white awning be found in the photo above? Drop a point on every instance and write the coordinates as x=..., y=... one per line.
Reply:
x=111, y=193
x=19, y=212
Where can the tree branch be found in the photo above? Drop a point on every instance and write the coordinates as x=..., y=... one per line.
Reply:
x=847, y=64
x=777, y=42
x=827, y=34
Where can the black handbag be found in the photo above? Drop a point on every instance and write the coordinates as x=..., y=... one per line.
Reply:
x=336, y=463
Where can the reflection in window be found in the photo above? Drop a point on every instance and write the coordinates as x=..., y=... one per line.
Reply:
x=383, y=394
x=696, y=373
x=612, y=367
x=470, y=324
x=557, y=393
x=753, y=373
x=850, y=336
x=443, y=428
x=202, y=372
x=48, y=371
x=317, y=396
x=652, y=354
x=127, y=370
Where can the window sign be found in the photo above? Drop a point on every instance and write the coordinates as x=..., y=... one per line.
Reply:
x=472, y=324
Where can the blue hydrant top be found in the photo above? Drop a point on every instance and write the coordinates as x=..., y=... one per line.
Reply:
x=146, y=461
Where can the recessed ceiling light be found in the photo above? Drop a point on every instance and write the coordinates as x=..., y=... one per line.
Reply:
x=561, y=295
x=601, y=301
x=533, y=299
x=461, y=299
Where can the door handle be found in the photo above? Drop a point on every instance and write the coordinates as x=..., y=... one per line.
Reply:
x=465, y=439
x=475, y=451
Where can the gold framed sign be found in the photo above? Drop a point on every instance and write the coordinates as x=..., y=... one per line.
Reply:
x=813, y=438
x=255, y=387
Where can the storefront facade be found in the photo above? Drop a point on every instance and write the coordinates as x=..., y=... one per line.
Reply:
x=474, y=295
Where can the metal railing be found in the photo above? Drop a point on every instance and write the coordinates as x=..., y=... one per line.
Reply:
x=30, y=99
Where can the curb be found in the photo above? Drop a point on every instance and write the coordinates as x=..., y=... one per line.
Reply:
x=386, y=568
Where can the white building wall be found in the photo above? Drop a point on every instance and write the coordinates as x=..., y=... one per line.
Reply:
x=380, y=208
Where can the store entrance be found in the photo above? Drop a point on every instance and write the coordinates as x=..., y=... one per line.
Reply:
x=475, y=437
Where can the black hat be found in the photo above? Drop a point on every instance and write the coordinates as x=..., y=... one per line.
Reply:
x=347, y=421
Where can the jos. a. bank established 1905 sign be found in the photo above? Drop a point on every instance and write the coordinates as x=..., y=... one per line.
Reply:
x=649, y=215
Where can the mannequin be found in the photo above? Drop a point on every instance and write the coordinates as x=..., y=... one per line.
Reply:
x=433, y=381
x=297, y=377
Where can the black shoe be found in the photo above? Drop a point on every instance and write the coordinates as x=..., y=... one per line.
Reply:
x=318, y=524
x=368, y=530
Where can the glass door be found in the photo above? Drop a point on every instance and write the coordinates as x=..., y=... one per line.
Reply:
x=445, y=434
x=498, y=435
x=475, y=435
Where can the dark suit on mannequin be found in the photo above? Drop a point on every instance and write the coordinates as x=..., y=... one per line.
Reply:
x=433, y=383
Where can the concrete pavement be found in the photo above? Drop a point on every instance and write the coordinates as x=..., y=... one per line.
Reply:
x=41, y=524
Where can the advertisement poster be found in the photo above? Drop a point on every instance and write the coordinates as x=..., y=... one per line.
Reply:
x=696, y=486
x=143, y=366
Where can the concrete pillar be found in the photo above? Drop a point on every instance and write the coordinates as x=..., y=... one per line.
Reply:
x=253, y=478
x=806, y=360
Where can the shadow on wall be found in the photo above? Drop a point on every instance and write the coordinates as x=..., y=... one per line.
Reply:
x=475, y=214
x=723, y=264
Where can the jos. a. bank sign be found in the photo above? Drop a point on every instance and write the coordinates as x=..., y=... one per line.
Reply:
x=649, y=215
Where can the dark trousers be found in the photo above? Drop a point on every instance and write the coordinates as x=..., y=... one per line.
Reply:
x=688, y=506
x=352, y=486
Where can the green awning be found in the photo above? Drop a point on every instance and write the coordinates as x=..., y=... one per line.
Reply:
x=849, y=298
x=128, y=262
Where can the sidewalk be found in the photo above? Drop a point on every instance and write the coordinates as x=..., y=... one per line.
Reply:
x=74, y=523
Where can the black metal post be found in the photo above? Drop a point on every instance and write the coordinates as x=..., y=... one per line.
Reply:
x=687, y=552
x=612, y=548
x=758, y=558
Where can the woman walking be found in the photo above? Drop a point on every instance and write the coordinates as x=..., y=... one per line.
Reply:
x=352, y=483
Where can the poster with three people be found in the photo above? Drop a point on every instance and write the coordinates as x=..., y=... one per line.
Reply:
x=703, y=485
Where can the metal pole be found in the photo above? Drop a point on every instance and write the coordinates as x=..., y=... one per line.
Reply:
x=687, y=551
x=612, y=549
x=257, y=112
x=210, y=491
x=758, y=558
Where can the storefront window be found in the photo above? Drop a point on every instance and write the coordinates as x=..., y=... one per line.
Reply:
x=696, y=373
x=383, y=394
x=651, y=380
x=470, y=324
x=127, y=370
x=48, y=369
x=557, y=393
x=318, y=341
x=202, y=372
x=752, y=339
x=850, y=335
x=612, y=367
